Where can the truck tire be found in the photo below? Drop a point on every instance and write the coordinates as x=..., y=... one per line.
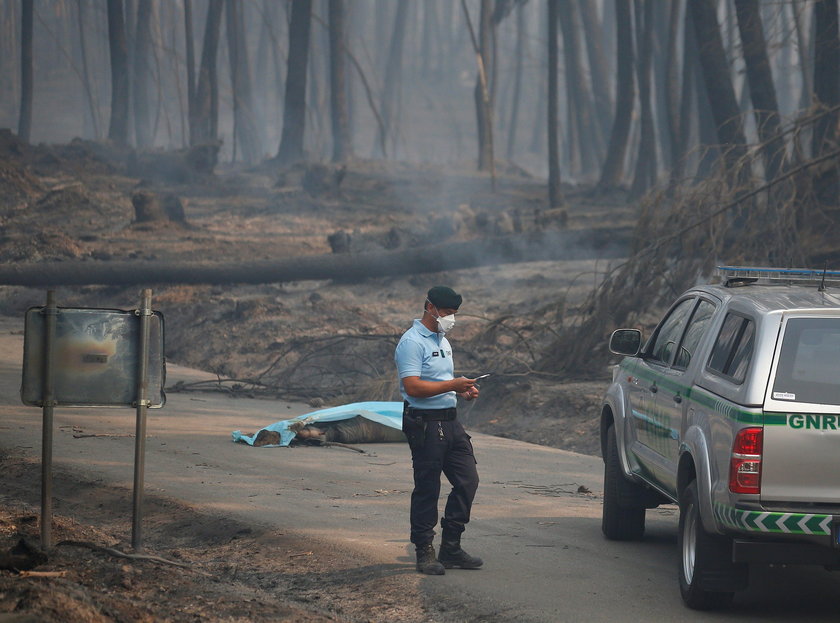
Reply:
x=706, y=569
x=623, y=512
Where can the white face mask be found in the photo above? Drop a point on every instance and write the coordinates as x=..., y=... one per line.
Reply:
x=444, y=323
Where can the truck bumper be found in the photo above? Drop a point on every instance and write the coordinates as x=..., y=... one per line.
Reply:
x=784, y=553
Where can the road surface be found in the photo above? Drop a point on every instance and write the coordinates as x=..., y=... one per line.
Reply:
x=536, y=520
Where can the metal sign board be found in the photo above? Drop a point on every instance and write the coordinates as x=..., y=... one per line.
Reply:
x=96, y=357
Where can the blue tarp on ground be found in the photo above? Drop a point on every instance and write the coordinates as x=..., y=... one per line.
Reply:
x=387, y=413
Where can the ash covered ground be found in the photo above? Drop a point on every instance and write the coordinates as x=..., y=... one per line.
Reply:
x=326, y=342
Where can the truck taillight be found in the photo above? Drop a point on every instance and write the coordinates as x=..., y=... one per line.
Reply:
x=745, y=464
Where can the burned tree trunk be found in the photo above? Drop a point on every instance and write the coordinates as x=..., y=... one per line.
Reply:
x=550, y=245
x=517, y=85
x=715, y=66
x=141, y=74
x=393, y=70
x=613, y=169
x=826, y=73
x=672, y=90
x=205, y=122
x=93, y=109
x=827, y=95
x=189, y=44
x=294, y=111
x=598, y=65
x=762, y=89
x=646, y=161
x=554, y=197
x=342, y=148
x=244, y=117
x=118, y=47
x=26, y=71
x=590, y=141
x=483, y=90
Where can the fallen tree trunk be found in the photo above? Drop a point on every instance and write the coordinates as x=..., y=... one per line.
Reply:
x=601, y=243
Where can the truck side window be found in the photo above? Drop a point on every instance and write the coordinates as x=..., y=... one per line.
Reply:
x=696, y=329
x=733, y=348
x=669, y=331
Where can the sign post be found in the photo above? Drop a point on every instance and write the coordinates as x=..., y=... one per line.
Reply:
x=144, y=313
x=76, y=357
x=50, y=313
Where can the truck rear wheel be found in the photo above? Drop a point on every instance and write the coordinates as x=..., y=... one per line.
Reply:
x=706, y=569
x=623, y=516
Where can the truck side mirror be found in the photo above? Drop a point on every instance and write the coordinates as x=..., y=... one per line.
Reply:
x=626, y=342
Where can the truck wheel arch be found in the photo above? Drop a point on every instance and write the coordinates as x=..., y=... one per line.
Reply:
x=607, y=420
x=694, y=465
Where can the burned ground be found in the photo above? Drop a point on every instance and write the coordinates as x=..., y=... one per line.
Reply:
x=325, y=342
x=197, y=567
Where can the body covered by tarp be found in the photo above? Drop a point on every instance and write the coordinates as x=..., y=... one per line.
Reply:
x=386, y=413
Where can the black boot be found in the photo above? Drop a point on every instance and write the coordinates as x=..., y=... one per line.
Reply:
x=426, y=561
x=451, y=555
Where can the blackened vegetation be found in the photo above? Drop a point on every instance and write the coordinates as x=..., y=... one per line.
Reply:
x=331, y=367
x=684, y=232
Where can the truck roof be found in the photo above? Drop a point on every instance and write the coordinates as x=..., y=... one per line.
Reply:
x=777, y=297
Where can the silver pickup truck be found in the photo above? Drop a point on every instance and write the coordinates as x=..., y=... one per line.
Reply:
x=732, y=410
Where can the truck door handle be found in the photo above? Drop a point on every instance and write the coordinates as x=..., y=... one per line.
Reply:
x=654, y=389
x=677, y=398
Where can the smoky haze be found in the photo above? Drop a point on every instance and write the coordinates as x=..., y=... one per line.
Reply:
x=425, y=101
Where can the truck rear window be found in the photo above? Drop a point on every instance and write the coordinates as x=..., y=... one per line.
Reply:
x=809, y=362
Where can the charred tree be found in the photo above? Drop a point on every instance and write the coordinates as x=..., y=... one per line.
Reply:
x=589, y=141
x=599, y=243
x=516, y=96
x=141, y=75
x=762, y=89
x=244, y=116
x=342, y=145
x=598, y=65
x=26, y=69
x=93, y=107
x=827, y=96
x=294, y=109
x=483, y=91
x=646, y=161
x=802, y=44
x=613, y=169
x=555, y=199
x=189, y=43
x=204, y=127
x=711, y=150
x=393, y=81
x=118, y=48
x=687, y=102
x=672, y=89
x=826, y=74
x=716, y=77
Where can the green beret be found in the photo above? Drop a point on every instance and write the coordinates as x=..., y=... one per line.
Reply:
x=444, y=298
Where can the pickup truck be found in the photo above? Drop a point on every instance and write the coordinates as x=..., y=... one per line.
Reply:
x=731, y=409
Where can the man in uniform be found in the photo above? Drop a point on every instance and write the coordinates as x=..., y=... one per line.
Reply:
x=437, y=440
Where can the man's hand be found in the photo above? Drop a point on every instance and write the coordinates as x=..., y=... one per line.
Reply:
x=463, y=385
x=470, y=394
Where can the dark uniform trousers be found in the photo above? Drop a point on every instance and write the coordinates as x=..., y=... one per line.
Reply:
x=439, y=446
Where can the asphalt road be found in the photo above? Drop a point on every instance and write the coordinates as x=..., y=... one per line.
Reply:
x=545, y=558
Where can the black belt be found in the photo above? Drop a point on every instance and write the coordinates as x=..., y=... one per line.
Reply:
x=432, y=415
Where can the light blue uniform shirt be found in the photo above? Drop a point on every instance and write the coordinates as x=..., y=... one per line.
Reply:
x=426, y=354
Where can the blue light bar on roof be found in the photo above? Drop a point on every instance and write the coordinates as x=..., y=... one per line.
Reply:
x=809, y=275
